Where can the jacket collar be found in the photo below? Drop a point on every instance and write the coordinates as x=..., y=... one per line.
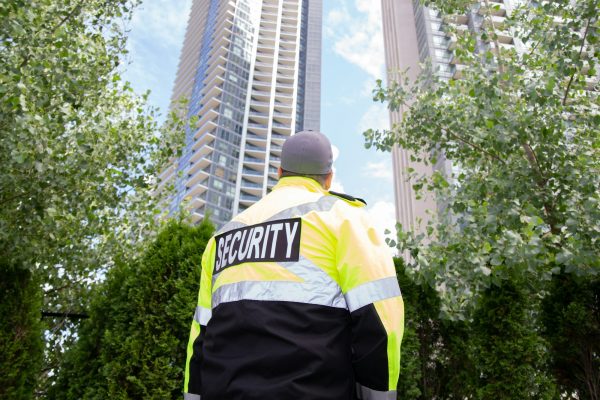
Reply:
x=300, y=181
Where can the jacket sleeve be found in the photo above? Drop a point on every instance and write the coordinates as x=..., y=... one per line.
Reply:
x=193, y=384
x=368, y=281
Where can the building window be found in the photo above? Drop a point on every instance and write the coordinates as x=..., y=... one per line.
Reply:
x=217, y=184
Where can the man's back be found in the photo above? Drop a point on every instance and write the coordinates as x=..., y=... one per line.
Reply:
x=288, y=336
x=298, y=300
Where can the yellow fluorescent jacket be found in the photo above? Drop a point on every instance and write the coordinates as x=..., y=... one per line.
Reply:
x=304, y=264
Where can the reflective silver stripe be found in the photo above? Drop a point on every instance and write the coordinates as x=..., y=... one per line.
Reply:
x=371, y=292
x=317, y=288
x=365, y=393
x=325, y=203
x=190, y=396
x=274, y=291
x=230, y=226
x=202, y=315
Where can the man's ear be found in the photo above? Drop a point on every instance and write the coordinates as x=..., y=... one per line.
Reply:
x=279, y=172
x=328, y=180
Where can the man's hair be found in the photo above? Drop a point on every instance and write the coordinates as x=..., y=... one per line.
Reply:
x=320, y=178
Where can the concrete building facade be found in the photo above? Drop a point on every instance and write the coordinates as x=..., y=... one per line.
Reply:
x=251, y=70
x=414, y=35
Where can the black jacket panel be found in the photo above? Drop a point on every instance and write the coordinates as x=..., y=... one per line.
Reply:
x=277, y=350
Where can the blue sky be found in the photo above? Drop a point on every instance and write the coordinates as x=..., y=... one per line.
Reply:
x=352, y=60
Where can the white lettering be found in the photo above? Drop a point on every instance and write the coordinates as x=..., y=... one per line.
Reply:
x=290, y=237
x=226, y=250
x=275, y=228
x=255, y=241
x=265, y=241
x=242, y=254
x=219, y=254
x=233, y=253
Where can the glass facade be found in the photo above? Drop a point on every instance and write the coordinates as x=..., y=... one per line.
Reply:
x=248, y=95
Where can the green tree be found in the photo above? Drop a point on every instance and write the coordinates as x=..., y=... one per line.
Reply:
x=410, y=384
x=435, y=361
x=522, y=129
x=79, y=153
x=508, y=352
x=571, y=324
x=21, y=343
x=524, y=205
x=134, y=343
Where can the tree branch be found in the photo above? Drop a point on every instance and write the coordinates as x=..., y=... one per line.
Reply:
x=5, y=201
x=495, y=36
x=71, y=13
x=541, y=182
x=64, y=315
x=587, y=27
x=533, y=161
x=77, y=8
x=476, y=147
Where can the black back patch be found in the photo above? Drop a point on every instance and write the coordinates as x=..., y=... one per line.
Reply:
x=270, y=241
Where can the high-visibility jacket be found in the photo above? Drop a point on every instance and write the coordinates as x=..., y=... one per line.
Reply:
x=298, y=300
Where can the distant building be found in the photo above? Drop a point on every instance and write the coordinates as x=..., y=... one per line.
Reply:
x=252, y=73
x=414, y=34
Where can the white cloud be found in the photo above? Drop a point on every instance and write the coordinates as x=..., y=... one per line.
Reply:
x=376, y=117
x=163, y=20
x=383, y=217
x=335, y=152
x=358, y=38
x=338, y=16
x=367, y=87
x=156, y=33
x=336, y=185
x=379, y=170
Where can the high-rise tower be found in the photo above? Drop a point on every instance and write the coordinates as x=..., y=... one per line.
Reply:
x=251, y=70
x=415, y=34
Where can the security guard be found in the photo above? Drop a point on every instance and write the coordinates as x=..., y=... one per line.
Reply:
x=298, y=295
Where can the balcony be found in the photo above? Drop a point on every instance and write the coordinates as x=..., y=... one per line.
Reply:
x=273, y=157
x=252, y=172
x=197, y=190
x=265, y=58
x=261, y=95
x=257, y=150
x=288, y=60
x=286, y=50
x=456, y=19
x=254, y=138
x=283, y=85
x=253, y=160
x=280, y=125
x=202, y=152
x=257, y=115
x=278, y=138
x=245, y=197
x=261, y=86
x=263, y=67
x=250, y=185
x=260, y=105
x=203, y=138
x=496, y=9
x=280, y=105
x=458, y=71
x=258, y=126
